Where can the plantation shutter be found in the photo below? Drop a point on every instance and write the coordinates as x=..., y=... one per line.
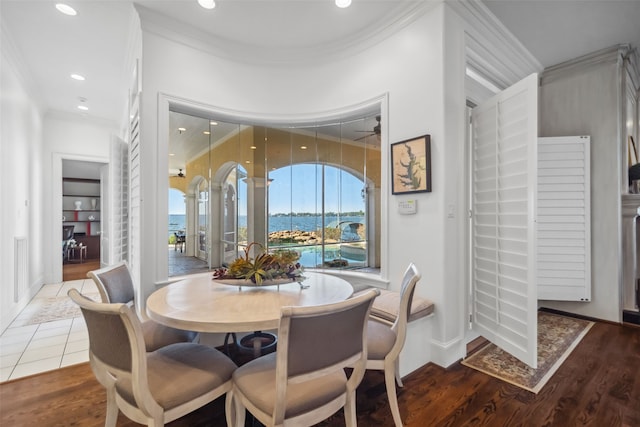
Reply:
x=118, y=201
x=504, y=289
x=564, y=224
x=134, y=193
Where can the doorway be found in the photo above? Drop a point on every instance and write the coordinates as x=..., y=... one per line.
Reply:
x=82, y=217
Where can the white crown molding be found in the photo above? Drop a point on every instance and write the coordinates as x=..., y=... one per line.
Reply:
x=170, y=29
x=496, y=49
x=187, y=106
x=9, y=50
x=613, y=54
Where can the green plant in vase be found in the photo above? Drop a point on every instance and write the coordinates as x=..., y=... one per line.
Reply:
x=281, y=264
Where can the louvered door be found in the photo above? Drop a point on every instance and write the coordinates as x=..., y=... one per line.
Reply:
x=504, y=288
x=564, y=230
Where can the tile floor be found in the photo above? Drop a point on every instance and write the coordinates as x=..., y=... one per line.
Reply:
x=30, y=349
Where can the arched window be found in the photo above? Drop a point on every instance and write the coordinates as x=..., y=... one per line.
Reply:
x=320, y=211
x=315, y=189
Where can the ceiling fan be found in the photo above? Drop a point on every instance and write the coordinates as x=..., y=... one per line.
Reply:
x=180, y=174
x=375, y=131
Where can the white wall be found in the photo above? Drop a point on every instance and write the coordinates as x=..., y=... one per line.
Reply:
x=421, y=68
x=21, y=175
x=32, y=146
x=66, y=137
x=586, y=99
x=407, y=66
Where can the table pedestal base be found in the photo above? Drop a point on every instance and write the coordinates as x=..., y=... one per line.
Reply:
x=259, y=343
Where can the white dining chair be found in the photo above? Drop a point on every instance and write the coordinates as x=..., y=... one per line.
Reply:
x=385, y=342
x=151, y=388
x=115, y=285
x=304, y=381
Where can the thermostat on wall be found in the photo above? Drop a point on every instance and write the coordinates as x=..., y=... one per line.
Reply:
x=407, y=207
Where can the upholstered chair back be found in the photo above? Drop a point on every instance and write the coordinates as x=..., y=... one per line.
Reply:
x=114, y=283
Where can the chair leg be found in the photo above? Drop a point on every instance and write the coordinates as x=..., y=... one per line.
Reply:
x=397, y=368
x=229, y=410
x=350, y=418
x=239, y=410
x=111, y=418
x=389, y=380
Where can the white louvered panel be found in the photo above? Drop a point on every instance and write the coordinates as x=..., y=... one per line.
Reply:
x=133, y=192
x=512, y=216
x=119, y=190
x=564, y=243
x=504, y=288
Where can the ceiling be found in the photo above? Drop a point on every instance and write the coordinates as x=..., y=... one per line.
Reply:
x=555, y=31
x=95, y=42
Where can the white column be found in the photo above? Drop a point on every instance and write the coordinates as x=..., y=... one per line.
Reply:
x=257, y=210
x=215, y=201
x=191, y=201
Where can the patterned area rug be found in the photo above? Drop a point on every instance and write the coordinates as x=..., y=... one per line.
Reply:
x=557, y=337
x=57, y=308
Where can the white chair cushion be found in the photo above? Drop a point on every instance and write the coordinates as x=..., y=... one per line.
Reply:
x=257, y=381
x=386, y=306
x=181, y=372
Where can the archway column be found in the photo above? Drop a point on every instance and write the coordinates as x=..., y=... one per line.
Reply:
x=191, y=202
x=257, y=210
x=215, y=205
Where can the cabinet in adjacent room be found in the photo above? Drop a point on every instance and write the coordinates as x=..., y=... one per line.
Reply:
x=81, y=209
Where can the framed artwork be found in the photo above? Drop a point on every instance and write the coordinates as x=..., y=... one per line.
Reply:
x=411, y=165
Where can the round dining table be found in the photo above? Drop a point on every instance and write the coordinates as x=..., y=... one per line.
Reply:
x=202, y=304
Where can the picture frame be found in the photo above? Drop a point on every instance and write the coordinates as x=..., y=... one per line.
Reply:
x=411, y=165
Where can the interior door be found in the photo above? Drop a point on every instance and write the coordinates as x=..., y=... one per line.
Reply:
x=503, y=227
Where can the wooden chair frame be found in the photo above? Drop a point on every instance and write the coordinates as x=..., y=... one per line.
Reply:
x=346, y=400
x=147, y=410
x=391, y=363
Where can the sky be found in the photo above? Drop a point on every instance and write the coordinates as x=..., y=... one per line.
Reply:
x=295, y=189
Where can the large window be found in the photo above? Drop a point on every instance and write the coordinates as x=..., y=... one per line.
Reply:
x=320, y=211
x=314, y=189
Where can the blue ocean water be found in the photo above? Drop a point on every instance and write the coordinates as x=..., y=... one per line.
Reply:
x=276, y=223
x=309, y=256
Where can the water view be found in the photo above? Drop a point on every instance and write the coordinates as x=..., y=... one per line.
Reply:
x=301, y=232
x=279, y=222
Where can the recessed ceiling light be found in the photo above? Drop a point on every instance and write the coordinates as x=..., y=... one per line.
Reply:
x=207, y=4
x=253, y=147
x=303, y=147
x=182, y=129
x=247, y=161
x=343, y=3
x=77, y=77
x=212, y=123
x=172, y=154
x=206, y=132
x=83, y=107
x=66, y=9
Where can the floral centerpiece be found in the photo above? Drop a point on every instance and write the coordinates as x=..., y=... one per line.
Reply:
x=280, y=265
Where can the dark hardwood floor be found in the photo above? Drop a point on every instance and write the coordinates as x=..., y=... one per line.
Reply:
x=598, y=385
x=77, y=270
